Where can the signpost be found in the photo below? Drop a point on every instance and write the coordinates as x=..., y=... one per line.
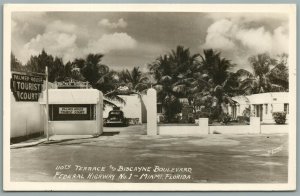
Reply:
x=47, y=103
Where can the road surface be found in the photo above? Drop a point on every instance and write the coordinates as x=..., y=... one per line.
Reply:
x=126, y=154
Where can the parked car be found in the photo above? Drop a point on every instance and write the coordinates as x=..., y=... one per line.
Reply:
x=116, y=118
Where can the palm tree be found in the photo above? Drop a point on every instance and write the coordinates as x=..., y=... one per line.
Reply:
x=162, y=73
x=279, y=75
x=260, y=80
x=174, y=78
x=134, y=80
x=205, y=80
x=217, y=67
x=100, y=77
x=217, y=84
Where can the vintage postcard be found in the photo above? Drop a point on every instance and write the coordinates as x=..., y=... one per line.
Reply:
x=149, y=97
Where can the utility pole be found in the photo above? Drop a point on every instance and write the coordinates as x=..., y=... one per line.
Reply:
x=47, y=104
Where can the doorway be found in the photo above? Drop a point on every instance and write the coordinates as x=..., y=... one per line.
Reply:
x=259, y=111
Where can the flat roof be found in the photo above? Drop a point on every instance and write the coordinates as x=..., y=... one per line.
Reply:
x=72, y=96
x=263, y=98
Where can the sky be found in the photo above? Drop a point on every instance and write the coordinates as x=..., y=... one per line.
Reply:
x=129, y=39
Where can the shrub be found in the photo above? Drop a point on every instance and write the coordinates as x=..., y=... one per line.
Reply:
x=162, y=118
x=243, y=119
x=216, y=132
x=204, y=114
x=201, y=114
x=172, y=108
x=225, y=118
x=246, y=112
x=279, y=117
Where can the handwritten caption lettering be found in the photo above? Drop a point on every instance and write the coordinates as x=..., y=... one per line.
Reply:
x=121, y=173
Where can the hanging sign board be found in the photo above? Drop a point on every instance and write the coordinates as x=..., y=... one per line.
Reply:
x=26, y=88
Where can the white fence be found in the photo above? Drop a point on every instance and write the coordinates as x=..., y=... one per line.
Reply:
x=153, y=128
x=254, y=128
x=180, y=130
x=203, y=128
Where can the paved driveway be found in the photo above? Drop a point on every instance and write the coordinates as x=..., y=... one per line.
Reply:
x=128, y=155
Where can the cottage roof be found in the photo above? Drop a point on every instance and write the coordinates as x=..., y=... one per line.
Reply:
x=263, y=98
x=241, y=100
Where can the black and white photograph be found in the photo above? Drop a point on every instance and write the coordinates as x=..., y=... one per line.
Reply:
x=149, y=97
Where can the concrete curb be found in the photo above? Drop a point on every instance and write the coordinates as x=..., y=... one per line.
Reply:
x=44, y=141
x=27, y=144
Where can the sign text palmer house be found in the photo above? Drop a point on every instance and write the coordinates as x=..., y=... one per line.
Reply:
x=25, y=87
x=72, y=110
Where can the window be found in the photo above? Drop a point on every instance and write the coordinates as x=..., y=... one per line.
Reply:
x=266, y=107
x=286, y=108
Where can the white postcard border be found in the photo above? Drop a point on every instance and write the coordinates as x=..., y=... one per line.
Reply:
x=32, y=186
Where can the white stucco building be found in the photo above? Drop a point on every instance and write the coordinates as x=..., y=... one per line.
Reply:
x=261, y=105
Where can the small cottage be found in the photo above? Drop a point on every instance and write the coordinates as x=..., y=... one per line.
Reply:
x=260, y=105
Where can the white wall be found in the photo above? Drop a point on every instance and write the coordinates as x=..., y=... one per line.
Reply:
x=76, y=96
x=84, y=127
x=25, y=118
x=241, y=109
x=28, y=117
x=267, y=129
x=278, y=107
x=132, y=108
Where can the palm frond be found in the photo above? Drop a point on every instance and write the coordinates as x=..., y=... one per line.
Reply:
x=158, y=87
x=180, y=88
x=109, y=103
x=243, y=72
x=166, y=78
x=114, y=96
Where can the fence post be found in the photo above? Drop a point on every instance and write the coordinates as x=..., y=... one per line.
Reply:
x=151, y=112
x=99, y=114
x=203, y=125
x=255, y=125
